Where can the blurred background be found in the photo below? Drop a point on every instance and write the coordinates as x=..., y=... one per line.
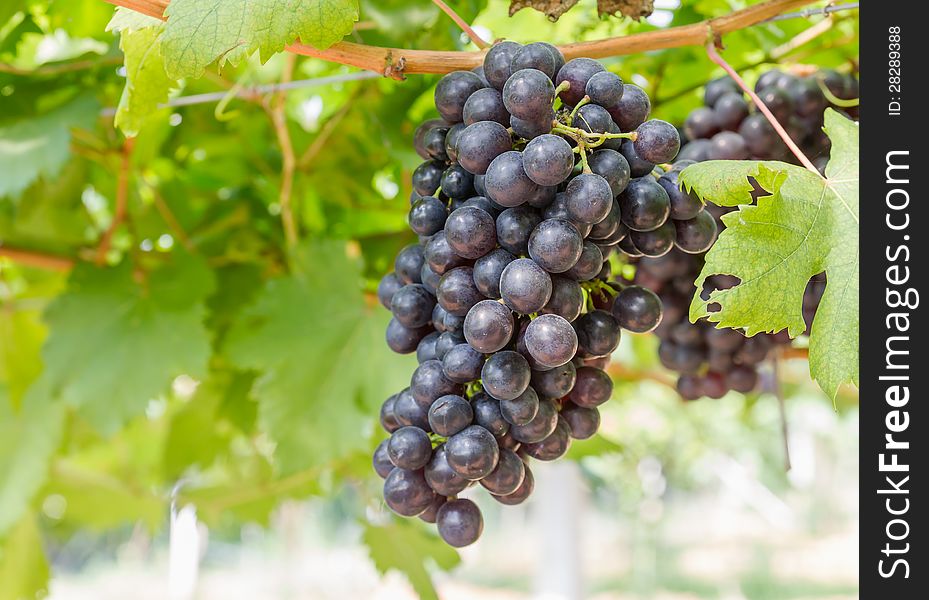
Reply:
x=188, y=401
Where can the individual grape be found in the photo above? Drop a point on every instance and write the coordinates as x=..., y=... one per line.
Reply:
x=727, y=145
x=582, y=422
x=448, y=415
x=730, y=109
x=566, y=300
x=439, y=255
x=528, y=94
x=429, y=278
x=426, y=348
x=555, y=383
x=483, y=203
x=506, y=181
x=554, y=446
x=558, y=209
x=760, y=137
x=427, y=216
x=487, y=414
x=598, y=334
x=632, y=109
x=533, y=128
x=514, y=226
x=409, y=412
x=521, y=409
x=587, y=266
x=701, y=123
x=644, y=205
x=451, y=141
x=555, y=245
x=551, y=340
x=588, y=198
x=427, y=177
x=808, y=98
x=457, y=183
x=548, y=159
x=498, y=61
x=434, y=143
x=507, y=476
x=431, y=514
x=638, y=166
x=535, y=56
x=522, y=492
x=613, y=167
x=462, y=363
x=656, y=242
x=453, y=91
x=542, y=196
x=387, y=287
x=407, y=493
x=778, y=102
x=697, y=150
x=714, y=386
x=525, y=286
x=725, y=339
x=459, y=522
x=388, y=417
x=604, y=88
x=457, y=292
x=719, y=361
x=419, y=136
x=577, y=72
x=688, y=386
x=488, y=268
x=683, y=205
x=657, y=141
x=472, y=453
x=479, y=144
x=637, y=309
x=409, y=264
x=488, y=326
x=718, y=88
x=628, y=248
x=695, y=235
x=470, y=232
x=429, y=383
x=592, y=388
x=485, y=105
x=593, y=118
x=440, y=476
x=409, y=448
x=404, y=340
x=505, y=375
x=446, y=341
x=381, y=461
x=683, y=359
x=412, y=306
x=539, y=427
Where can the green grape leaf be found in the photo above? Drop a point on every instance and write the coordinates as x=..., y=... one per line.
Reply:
x=21, y=335
x=116, y=342
x=39, y=147
x=27, y=441
x=318, y=346
x=807, y=225
x=407, y=547
x=147, y=84
x=199, y=32
x=24, y=569
x=127, y=21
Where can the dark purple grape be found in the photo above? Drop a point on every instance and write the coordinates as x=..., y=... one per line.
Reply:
x=388, y=417
x=701, y=123
x=419, y=136
x=644, y=205
x=551, y=340
x=760, y=137
x=462, y=363
x=457, y=292
x=472, y=453
x=412, y=306
x=525, y=286
x=539, y=427
x=440, y=476
x=598, y=334
x=555, y=245
x=592, y=388
x=485, y=105
x=427, y=215
x=430, y=279
x=593, y=119
x=439, y=255
x=637, y=309
x=449, y=414
x=451, y=141
x=507, y=476
x=577, y=72
x=632, y=109
x=695, y=235
x=628, y=248
x=409, y=264
x=387, y=287
x=409, y=448
x=730, y=110
x=587, y=266
x=604, y=88
x=582, y=422
x=725, y=339
x=514, y=226
x=697, y=150
x=548, y=160
x=487, y=414
x=480, y=143
x=742, y=379
x=431, y=514
x=426, y=348
x=713, y=385
x=558, y=209
x=407, y=493
x=470, y=232
x=555, y=383
x=808, y=98
x=754, y=350
x=521, y=409
x=682, y=359
x=683, y=205
x=613, y=167
x=498, y=61
x=554, y=446
x=459, y=522
x=656, y=242
x=505, y=375
x=727, y=145
x=488, y=268
x=657, y=141
x=429, y=383
x=446, y=341
x=718, y=88
x=434, y=143
x=638, y=166
x=522, y=492
x=488, y=326
x=536, y=56
x=381, y=461
x=506, y=181
x=404, y=340
x=427, y=177
x=457, y=183
x=453, y=91
x=409, y=412
x=533, y=128
x=688, y=386
x=528, y=94
x=588, y=198
x=567, y=299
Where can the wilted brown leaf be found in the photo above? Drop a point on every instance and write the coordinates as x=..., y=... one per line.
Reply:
x=550, y=8
x=635, y=9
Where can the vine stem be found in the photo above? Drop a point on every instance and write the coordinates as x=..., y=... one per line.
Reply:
x=276, y=112
x=122, y=200
x=38, y=260
x=719, y=60
x=395, y=62
x=478, y=40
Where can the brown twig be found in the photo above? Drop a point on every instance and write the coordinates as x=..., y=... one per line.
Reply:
x=122, y=200
x=719, y=60
x=478, y=40
x=624, y=373
x=276, y=111
x=39, y=260
x=381, y=60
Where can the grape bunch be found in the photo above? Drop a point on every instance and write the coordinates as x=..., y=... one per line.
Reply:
x=726, y=127
x=518, y=206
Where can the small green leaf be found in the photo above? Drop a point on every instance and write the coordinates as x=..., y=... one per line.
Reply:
x=808, y=224
x=407, y=547
x=23, y=567
x=39, y=147
x=127, y=21
x=147, y=84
